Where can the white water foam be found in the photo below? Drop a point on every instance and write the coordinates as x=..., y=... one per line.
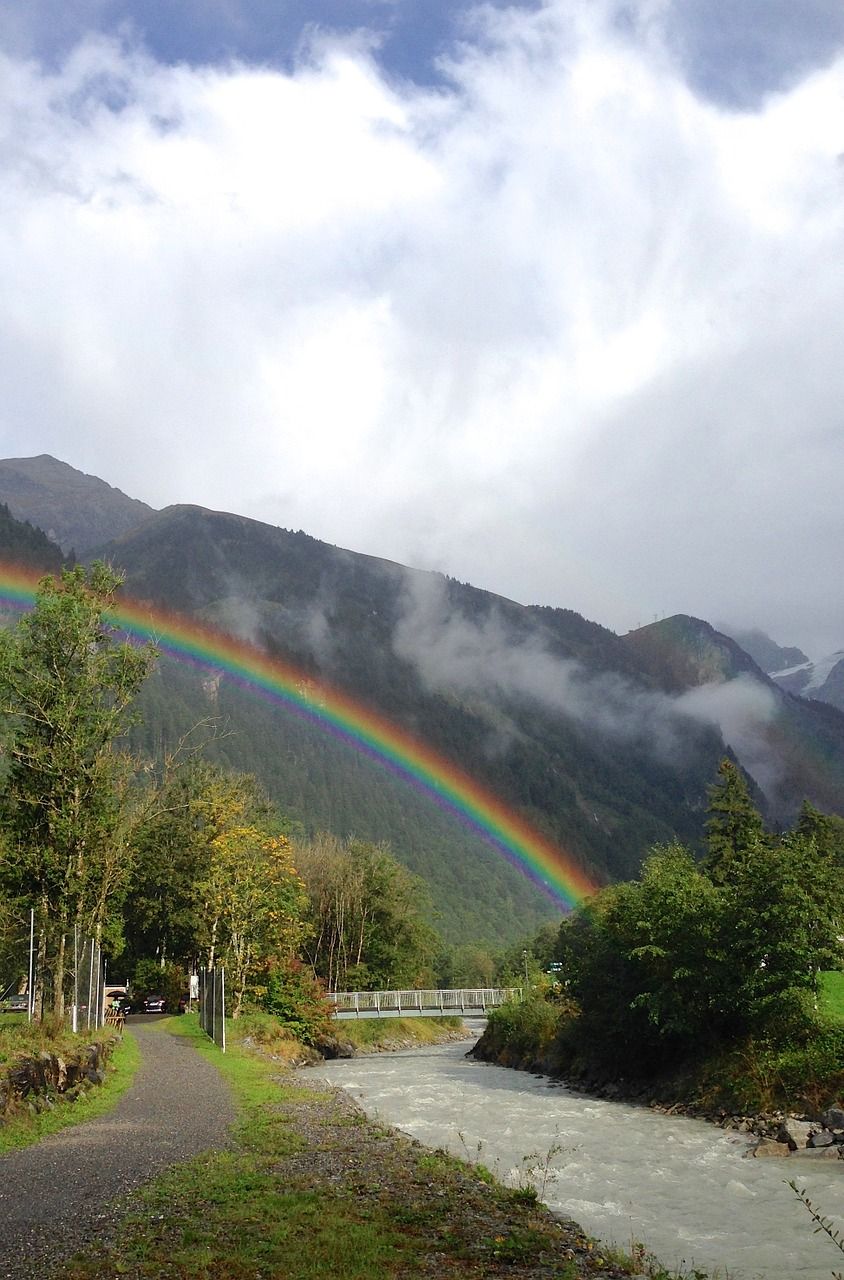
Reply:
x=681, y=1186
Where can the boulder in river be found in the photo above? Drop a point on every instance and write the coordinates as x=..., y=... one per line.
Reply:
x=770, y=1147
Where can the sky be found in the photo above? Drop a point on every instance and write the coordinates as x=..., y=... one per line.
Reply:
x=546, y=296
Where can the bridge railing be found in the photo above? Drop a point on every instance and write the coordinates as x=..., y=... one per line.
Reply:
x=377, y=1003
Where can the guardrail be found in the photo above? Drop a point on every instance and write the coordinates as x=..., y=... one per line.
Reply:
x=432, y=1003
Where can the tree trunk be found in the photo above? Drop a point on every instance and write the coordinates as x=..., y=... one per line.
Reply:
x=58, y=977
x=40, y=964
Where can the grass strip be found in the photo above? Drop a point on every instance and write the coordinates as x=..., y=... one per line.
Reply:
x=21, y=1129
x=374, y=1034
x=832, y=995
x=313, y=1190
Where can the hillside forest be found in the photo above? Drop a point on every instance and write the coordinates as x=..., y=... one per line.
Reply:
x=604, y=744
x=175, y=862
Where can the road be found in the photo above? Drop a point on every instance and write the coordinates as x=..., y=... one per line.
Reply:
x=69, y=1190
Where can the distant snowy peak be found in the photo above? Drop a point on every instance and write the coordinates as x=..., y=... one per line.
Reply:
x=822, y=680
x=764, y=651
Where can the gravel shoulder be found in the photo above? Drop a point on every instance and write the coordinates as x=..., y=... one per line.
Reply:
x=71, y=1188
x=466, y=1225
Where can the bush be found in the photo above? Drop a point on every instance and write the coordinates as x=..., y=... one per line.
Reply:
x=296, y=998
x=526, y=1027
x=761, y=1075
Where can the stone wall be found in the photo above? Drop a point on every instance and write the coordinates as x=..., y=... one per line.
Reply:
x=37, y=1082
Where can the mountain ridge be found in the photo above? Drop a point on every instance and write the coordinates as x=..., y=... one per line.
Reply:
x=74, y=510
x=605, y=743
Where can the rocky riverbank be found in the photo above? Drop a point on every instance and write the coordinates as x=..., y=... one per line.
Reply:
x=779, y=1133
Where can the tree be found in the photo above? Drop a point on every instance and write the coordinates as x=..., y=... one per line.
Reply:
x=366, y=914
x=784, y=914
x=645, y=963
x=734, y=824
x=254, y=902
x=826, y=829
x=195, y=804
x=67, y=683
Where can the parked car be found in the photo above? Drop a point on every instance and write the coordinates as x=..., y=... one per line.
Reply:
x=155, y=1004
x=15, y=1004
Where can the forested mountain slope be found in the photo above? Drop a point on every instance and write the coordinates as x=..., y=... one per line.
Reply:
x=513, y=695
x=607, y=744
x=793, y=748
x=22, y=543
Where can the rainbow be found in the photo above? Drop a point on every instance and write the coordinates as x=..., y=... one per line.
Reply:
x=348, y=720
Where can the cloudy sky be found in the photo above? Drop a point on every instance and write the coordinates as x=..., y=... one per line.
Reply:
x=549, y=296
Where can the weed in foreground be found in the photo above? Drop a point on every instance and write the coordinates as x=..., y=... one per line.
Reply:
x=823, y=1226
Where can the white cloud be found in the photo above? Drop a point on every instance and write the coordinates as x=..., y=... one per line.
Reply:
x=566, y=330
x=487, y=654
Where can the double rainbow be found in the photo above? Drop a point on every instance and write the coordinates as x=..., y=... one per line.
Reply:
x=349, y=721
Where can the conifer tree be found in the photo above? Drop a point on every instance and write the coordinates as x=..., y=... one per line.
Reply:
x=734, y=826
x=826, y=830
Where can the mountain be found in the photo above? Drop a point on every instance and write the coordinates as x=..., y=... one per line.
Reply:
x=76, y=511
x=607, y=744
x=764, y=651
x=23, y=544
x=791, y=747
x=480, y=678
x=821, y=681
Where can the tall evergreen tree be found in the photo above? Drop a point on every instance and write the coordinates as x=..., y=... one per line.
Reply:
x=825, y=829
x=734, y=826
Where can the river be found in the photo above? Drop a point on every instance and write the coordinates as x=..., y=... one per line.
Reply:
x=681, y=1186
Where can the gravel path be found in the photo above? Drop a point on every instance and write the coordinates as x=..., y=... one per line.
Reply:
x=69, y=1189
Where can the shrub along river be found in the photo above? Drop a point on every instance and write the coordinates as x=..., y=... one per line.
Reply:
x=682, y=1187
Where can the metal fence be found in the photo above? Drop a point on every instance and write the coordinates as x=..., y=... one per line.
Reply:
x=84, y=984
x=212, y=1005
x=83, y=981
x=86, y=1007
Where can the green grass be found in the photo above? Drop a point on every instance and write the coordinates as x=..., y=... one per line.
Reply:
x=18, y=1036
x=245, y=1214
x=370, y=1033
x=832, y=995
x=23, y=1129
x=226, y=1216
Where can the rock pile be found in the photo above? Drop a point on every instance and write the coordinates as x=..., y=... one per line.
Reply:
x=36, y=1082
x=821, y=1140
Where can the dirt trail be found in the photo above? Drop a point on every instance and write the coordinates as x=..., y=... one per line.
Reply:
x=69, y=1189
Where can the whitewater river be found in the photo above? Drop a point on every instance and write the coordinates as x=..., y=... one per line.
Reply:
x=624, y=1173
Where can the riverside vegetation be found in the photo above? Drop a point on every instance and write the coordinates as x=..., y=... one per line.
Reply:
x=312, y=1190
x=172, y=859
x=715, y=984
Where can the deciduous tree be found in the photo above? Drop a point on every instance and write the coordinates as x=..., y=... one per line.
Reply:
x=67, y=683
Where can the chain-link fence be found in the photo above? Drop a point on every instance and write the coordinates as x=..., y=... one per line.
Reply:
x=15, y=948
x=87, y=985
x=81, y=964
x=212, y=1005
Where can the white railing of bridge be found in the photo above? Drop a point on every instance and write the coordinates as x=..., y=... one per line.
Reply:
x=378, y=1003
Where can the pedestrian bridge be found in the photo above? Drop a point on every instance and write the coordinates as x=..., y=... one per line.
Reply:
x=438, y=1003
